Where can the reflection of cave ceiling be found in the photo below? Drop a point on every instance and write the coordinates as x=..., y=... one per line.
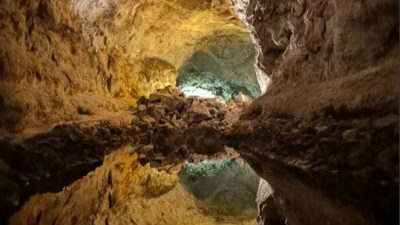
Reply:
x=224, y=184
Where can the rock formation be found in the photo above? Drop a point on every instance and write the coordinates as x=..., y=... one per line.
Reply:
x=326, y=131
x=324, y=53
x=94, y=57
x=324, y=137
x=165, y=129
x=140, y=45
x=47, y=73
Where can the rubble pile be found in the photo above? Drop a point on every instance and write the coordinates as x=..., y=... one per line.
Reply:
x=170, y=127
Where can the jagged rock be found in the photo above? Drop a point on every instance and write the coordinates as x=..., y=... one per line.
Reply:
x=197, y=112
x=268, y=212
x=242, y=99
x=341, y=165
x=305, y=47
x=350, y=135
x=61, y=82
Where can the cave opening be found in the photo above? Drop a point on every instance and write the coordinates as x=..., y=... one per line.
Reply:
x=223, y=70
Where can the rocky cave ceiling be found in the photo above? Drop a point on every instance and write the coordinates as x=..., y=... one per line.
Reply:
x=95, y=127
x=100, y=56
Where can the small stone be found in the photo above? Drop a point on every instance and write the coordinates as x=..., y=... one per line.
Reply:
x=155, y=97
x=350, y=135
x=242, y=99
x=321, y=129
x=148, y=119
x=385, y=121
x=141, y=108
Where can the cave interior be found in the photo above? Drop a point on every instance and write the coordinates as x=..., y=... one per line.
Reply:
x=199, y=112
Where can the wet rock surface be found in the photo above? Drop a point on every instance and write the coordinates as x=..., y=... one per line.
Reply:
x=324, y=136
x=342, y=164
x=349, y=163
x=46, y=69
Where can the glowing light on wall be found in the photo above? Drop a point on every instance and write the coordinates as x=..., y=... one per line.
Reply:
x=191, y=91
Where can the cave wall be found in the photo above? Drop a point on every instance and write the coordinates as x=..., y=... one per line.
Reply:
x=232, y=61
x=140, y=45
x=325, y=133
x=46, y=71
x=326, y=52
x=63, y=61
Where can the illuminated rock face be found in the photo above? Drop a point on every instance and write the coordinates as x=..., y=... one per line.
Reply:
x=96, y=57
x=228, y=66
x=123, y=34
x=208, y=85
x=46, y=70
x=324, y=136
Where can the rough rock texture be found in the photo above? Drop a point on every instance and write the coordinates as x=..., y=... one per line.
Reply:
x=50, y=161
x=139, y=45
x=325, y=134
x=341, y=168
x=325, y=52
x=231, y=61
x=166, y=129
x=120, y=192
x=46, y=71
x=170, y=128
x=268, y=212
x=95, y=57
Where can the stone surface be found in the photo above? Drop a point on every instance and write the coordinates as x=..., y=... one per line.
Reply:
x=324, y=135
x=139, y=45
x=177, y=127
x=348, y=175
x=103, y=55
x=318, y=54
x=312, y=134
x=229, y=65
x=46, y=70
x=268, y=212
